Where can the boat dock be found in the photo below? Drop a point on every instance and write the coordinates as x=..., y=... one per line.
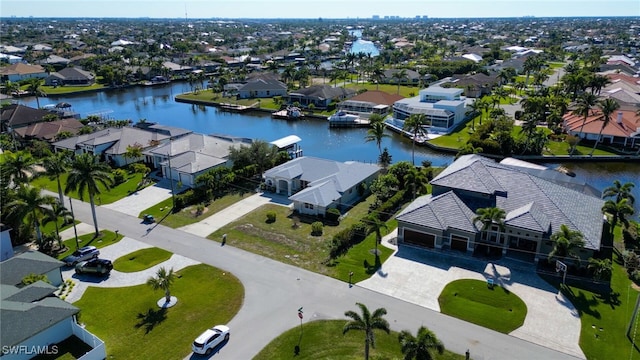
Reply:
x=237, y=107
x=342, y=119
x=397, y=129
x=290, y=113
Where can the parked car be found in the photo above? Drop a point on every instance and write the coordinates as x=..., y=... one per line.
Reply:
x=82, y=254
x=94, y=266
x=148, y=219
x=208, y=340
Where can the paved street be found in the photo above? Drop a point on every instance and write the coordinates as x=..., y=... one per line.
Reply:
x=274, y=291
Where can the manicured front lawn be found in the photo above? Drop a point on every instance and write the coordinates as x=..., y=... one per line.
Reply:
x=50, y=90
x=405, y=90
x=141, y=259
x=162, y=210
x=295, y=245
x=105, y=197
x=473, y=301
x=323, y=339
x=105, y=238
x=133, y=327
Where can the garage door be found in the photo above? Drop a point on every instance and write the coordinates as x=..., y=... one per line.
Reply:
x=419, y=239
x=458, y=243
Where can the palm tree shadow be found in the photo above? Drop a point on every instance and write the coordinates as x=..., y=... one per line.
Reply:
x=150, y=319
x=580, y=301
x=370, y=269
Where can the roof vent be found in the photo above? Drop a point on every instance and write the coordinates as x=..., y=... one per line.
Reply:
x=619, y=120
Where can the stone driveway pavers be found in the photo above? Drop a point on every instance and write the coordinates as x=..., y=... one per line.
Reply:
x=137, y=202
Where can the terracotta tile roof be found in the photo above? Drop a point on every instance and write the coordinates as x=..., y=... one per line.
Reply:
x=377, y=97
x=628, y=124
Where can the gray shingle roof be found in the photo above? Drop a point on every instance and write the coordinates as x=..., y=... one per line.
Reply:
x=442, y=212
x=263, y=84
x=323, y=92
x=514, y=189
x=13, y=270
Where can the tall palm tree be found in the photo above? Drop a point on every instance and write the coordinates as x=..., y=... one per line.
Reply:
x=565, y=242
x=415, y=125
x=473, y=110
x=86, y=174
x=376, y=131
x=133, y=152
x=618, y=210
x=367, y=323
x=420, y=347
x=620, y=191
x=400, y=75
x=163, y=281
x=34, y=88
x=490, y=216
x=31, y=206
x=384, y=160
x=584, y=105
x=58, y=211
x=607, y=107
x=56, y=165
x=20, y=166
x=377, y=75
x=415, y=180
x=375, y=225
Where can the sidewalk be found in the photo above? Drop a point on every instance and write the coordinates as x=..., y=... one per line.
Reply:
x=216, y=221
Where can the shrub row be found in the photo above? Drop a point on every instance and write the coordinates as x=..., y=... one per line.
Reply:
x=347, y=238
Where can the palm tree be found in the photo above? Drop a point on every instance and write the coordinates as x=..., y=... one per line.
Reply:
x=566, y=240
x=163, y=281
x=420, y=347
x=57, y=212
x=20, y=166
x=415, y=125
x=133, y=152
x=367, y=323
x=474, y=109
x=85, y=175
x=384, y=160
x=585, y=104
x=602, y=268
x=375, y=225
x=618, y=210
x=417, y=181
x=35, y=89
x=376, y=131
x=620, y=191
x=56, y=165
x=400, y=75
x=30, y=206
x=607, y=107
x=490, y=216
x=377, y=75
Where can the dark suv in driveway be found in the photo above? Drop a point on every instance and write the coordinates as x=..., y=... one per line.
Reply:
x=94, y=266
x=82, y=254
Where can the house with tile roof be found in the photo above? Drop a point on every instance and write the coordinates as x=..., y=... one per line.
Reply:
x=623, y=130
x=319, y=95
x=187, y=157
x=368, y=103
x=48, y=131
x=34, y=320
x=21, y=71
x=70, y=76
x=536, y=203
x=315, y=185
x=16, y=116
x=262, y=88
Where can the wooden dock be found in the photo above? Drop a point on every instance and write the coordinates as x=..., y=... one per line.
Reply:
x=237, y=107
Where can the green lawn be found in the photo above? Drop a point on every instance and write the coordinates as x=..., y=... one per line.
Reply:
x=106, y=197
x=162, y=210
x=105, y=238
x=283, y=242
x=405, y=91
x=50, y=90
x=50, y=227
x=133, y=327
x=323, y=339
x=473, y=301
x=141, y=259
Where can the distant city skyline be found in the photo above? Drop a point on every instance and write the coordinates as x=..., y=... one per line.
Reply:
x=329, y=9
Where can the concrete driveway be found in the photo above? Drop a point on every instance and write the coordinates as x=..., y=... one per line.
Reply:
x=137, y=202
x=419, y=276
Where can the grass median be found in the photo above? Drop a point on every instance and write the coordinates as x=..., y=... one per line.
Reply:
x=141, y=259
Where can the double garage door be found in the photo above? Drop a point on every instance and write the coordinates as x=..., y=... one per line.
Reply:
x=459, y=243
x=419, y=239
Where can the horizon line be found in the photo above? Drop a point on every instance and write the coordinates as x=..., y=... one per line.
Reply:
x=320, y=17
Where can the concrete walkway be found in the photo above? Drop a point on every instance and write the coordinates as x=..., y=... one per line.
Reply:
x=116, y=278
x=419, y=276
x=137, y=202
x=221, y=218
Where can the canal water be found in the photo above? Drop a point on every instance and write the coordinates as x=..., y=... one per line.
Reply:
x=157, y=104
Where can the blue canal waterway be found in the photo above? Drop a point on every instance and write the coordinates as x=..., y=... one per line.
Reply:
x=157, y=104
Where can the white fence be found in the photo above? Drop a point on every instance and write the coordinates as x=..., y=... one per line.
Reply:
x=98, y=352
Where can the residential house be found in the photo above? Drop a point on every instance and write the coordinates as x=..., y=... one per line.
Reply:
x=319, y=95
x=623, y=130
x=444, y=108
x=10, y=59
x=177, y=69
x=369, y=102
x=48, y=131
x=315, y=185
x=191, y=155
x=71, y=76
x=412, y=77
x=6, y=247
x=16, y=116
x=34, y=320
x=111, y=144
x=262, y=88
x=20, y=71
x=475, y=85
x=536, y=203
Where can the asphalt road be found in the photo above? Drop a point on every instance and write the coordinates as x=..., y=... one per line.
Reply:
x=274, y=291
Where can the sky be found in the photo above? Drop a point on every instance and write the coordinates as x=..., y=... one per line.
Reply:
x=316, y=8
